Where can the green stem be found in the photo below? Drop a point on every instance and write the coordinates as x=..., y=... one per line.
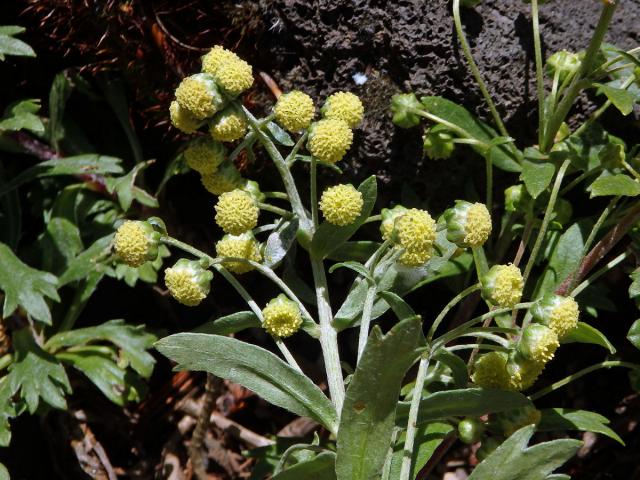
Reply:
x=313, y=180
x=291, y=158
x=480, y=260
x=386, y=469
x=366, y=318
x=539, y=76
x=589, y=281
x=579, y=179
x=451, y=126
x=477, y=346
x=454, y=301
x=489, y=175
x=278, y=195
x=273, y=209
x=373, y=218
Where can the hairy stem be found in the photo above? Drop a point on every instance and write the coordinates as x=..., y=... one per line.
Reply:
x=539, y=76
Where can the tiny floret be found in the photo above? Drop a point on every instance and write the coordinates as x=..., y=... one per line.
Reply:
x=182, y=119
x=416, y=232
x=294, y=110
x=228, y=126
x=204, y=155
x=199, y=95
x=329, y=140
x=217, y=56
x=341, y=204
x=490, y=371
x=344, y=106
x=239, y=246
x=136, y=243
x=502, y=285
x=559, y=313
x=188, y=282
x=468, y=224
x=234, y=76
x=236, y=212
x=282, y=317
x=225, y=179
x=538, y=343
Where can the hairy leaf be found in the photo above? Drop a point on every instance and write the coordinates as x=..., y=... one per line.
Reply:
x=562, y=419
x=428, y=438
x=585, y=333
x=229, y=324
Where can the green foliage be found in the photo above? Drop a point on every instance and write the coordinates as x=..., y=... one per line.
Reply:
x=322, y=467
x=562, y=419
x=615, y=185
x=585, y=333
x=22, y=115
x=9, y=45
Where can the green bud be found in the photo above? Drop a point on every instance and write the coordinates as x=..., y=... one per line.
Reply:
x=538, y=343
x=522, y=372
x=470, y=430
x=253, y=188
x=517, y=199
x=563, y=62
x=401, y=104
x=437, y=143
x=389, y=217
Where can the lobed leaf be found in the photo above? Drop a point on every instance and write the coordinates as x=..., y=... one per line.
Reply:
x=563, y=419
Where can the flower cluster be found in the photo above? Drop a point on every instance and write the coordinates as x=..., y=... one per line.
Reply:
x=188, y=282
x=502, y=285
x=341, y=204
x=282, y=317
x=136, y=243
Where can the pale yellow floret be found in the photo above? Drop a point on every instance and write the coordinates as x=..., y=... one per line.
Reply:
x=239, y=246
x=204, y=157
x=329, y=140
x=182, y=119
x=563, y=317
x=194, y=96
x=490, y=371
x=294, y=111
x=215, y=58
x=415, y=258
x=236, y=212
x=131, y=243
x=228, y=127
x=524, y=373
x=183, y=286
x=234, y=76
x=543, y=350
x=478, y=225
x=344, y=106
x=341, y=204
x=282, y=318
x=416, y=230
x=505, y=286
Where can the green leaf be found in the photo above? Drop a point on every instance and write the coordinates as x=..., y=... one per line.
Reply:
x=615, y=185
x=279, y=242
x=565, y=258
x=634, y=288
x=428, y=438
x=65, y=236
x=514, y=461
x=586, y=149
x=22, y=115
x=537, y=176
x=37, y=374
x=86, y=262
x=279, y=135
x=634, y=334
x=7, y=410
x=354, y=251
x=59, y=94
x=457, y=366
x=367, y=420
x=252, y=367
x=401, y=308
x=563, y=419
x=132, y=340
x=127, y=191
x=585, y=333
x=230, y=324
x=13, y=46
x=329, y=237
x=450, y=111
x=463, y=402
x=25, y=286
x=320, y=468
x=357, y=267
x=622, y=99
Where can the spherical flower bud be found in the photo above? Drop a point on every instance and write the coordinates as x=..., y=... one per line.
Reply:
x=517, y=198
x=490, y=371
x=538, y=343
x=344, y=106
x=234, y=76
x=225, y=179
x=341, y=204
x=402, y=106
x=236, y=212
x=182, y=119
x=294, y=111
x=204, y=155
x=389, y=217
x=228, y=125
x=563, y=62
x=510, y=421
x=502, y=285
x=468, y=224
x=437, y=143
x=282, y=317
x=558, y=313
x=416, y=232
x=215, y=58
x=188, y=282
x=136, y=243
x=199, y=95
x=523, y=372
x=470, y=430
x=329, y=139
x=239, y=246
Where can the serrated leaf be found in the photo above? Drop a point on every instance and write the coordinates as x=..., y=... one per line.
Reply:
x=279, y=242
x=514, y=461
x=22, y=115
x=537, y=176
x=252, y=367
x=230, y=324
x=563, y=419
x=36, y=374
x=13, y=46
x=585, y=333
x=615, y=185
x=26, y=287
x=622, y=99
x=319, y=468
x=367, y=419
x=634, y=334
x=7, y=411
x=428, y=438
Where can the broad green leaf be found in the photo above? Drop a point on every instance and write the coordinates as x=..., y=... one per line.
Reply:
x=37, y=374
x=615, y=185
x=132, y=340
x=279, y=242
x=13, y=46
x=401, y=308
x=279, y=135
x=463, y=402
x=634, y=334
x=563, y=419
x=7, y=410
x=514, y=461
x=428, y=438
x=457, y=366
x=454, y=113
x=22, y=115
x=622, y=99
x=229, y=324
x=329, y=237
x=537, y=176
x=367, y=420
x=585, y=333
x=565, y=258
x=586, y=149
x=65, y=236
x=322, y=467
x=25, y=286
x=252, y=367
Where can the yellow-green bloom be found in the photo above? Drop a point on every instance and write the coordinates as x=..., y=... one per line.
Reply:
x=236, y=212
x=225, y=179
x=239, y=246
x=217, y=56
x=329, y=140
x=468, y=224
x=416, y=232
x=228, y=126
x=188, y=282
x=199, y=95
x=282, y=317
x=389, y=217
x=204, y=155
x=559, y=313
x=234, y=76
x=502, y=285
x=523, y=372
x=538, y=343
x=294, y=111
x=136, y=243
x=490, y=371
x=344, y=106
x=341, y=204
x=182, y=119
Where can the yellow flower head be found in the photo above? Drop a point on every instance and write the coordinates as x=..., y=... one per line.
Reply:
x=538, y=343
x=225, y=179
x=234, y=76
x=236, y=212
x=136, y=242
x=329, y=140
x=468, y=224
x=341, y=204
x=389, y=217
x=294, y=110
x=182, y=119
x=502, y=285
x=204, y=155
x=199, y=95
x=188, y=282
x=490, y=371
x=215, y=58
x=523, y=372
x=416, y=230
x=559, y=313
x=228, y=126
x=415, y=258
x=282, y=317
x=239, y=246
x=344, y=106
